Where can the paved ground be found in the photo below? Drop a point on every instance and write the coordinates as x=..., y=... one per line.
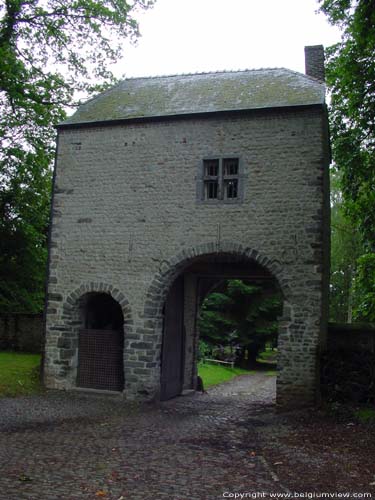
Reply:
x=73, y=446
x=207, y=446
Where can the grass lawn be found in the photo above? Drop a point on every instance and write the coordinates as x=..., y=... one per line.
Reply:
x=215, y=374
x=19, y=374
x=268, y=356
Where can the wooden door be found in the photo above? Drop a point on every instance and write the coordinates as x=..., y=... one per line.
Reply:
x=173, y=342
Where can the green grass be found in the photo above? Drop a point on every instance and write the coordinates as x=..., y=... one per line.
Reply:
x=365, y=415
x=216, y=374
x=19, y=374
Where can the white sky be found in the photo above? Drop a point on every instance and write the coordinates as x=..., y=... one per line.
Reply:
x=186, y=36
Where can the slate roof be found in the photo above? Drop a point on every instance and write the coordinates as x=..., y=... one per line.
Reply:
x=200, y=93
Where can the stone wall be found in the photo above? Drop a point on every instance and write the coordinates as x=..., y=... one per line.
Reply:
x=347, y=367
x=126, y=221
x=21, y=332
x=351, y=337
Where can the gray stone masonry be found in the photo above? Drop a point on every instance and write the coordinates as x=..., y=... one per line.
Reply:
x=126, y=222
x=314, y=62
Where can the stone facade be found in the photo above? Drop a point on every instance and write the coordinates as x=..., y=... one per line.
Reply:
x=126, y=222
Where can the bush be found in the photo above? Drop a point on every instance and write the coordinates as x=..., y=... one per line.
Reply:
x=204, y=350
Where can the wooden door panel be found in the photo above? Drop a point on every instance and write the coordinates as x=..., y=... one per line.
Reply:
x=173, y=342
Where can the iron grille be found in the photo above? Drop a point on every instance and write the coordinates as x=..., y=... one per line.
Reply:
x=100, y=360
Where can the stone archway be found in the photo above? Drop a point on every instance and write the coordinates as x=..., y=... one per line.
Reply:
x=170, y=269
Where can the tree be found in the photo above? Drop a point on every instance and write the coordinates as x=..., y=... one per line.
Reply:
x=50, y=52
x=350, y=75
x=241, y=315
x=345, y=249
x=215, y=326
x=351, y=79
x=24, y=208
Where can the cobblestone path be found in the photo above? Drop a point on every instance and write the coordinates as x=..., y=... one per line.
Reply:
x=75, y=446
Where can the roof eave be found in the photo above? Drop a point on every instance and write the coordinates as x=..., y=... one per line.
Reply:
x=158, y=118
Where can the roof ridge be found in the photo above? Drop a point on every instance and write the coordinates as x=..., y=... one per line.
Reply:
x=198, y=73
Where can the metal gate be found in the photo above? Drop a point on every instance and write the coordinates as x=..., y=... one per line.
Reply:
x=173, y=342
x=100, y=359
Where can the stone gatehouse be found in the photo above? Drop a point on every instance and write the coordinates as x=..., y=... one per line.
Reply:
x=163, y=185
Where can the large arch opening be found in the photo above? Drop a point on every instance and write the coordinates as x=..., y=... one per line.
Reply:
x=184, y=299
x=100, y=343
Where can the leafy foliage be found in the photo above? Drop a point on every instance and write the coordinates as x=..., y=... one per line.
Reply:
x=49, y=52
x=365, y=287
x=24, y=208
x=350, y=75
x=351, y=78
x=241, y=315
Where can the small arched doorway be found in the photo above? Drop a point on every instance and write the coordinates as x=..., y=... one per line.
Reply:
x=100, y=344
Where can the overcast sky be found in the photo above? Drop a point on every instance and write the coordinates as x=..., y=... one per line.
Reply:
x=186, y=36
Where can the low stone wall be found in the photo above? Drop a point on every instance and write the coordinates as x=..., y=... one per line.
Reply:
x=347, y=367
x=21, y=332
x=351, y=337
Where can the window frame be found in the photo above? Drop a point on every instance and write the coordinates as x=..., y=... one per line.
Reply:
x=203, y=179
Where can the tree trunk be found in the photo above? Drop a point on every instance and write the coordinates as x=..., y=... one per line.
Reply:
x=240, y=358
x=252, y=354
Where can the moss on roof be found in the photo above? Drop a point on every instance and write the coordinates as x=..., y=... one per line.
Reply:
x=200, y=93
